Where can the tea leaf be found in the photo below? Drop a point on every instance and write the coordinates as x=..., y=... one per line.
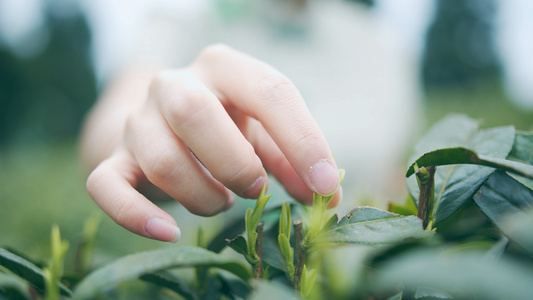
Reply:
x=267, y=290
x=238, y=244
x=523, y=151
x=27, y=270
x=465, y=275
x=406, y=209
x=13, y=287
x=368, y=225
x=133, y=266
x=519, y=227
x=170, y=281
x=455, y=184
x=502, y=196
x=461, y=155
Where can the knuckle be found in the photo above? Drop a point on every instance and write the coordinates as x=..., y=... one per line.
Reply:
x=240, y=174
x=159, y=166
x=160, y=83
x=93, y=181
x=188, y=105
x=306, y=136
x=123, y=212
x=275, y=88
x=213, y=51
x=207, y=211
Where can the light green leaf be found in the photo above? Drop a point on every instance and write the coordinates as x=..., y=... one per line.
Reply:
x=464, y=275
x=267, y=290
x=133, y=266
x=285, y=219
x=502, y=196
x=519, y=227
x=285, y=247
x=258, y=210
x=406, y=209
x=368, y=225
x=455, y=184
x=308, y=281
x=26, y=270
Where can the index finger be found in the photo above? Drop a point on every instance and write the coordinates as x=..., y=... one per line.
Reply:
x=265, y=94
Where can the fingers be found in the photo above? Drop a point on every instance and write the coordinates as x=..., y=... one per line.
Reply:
x=111, y=187
x=167, y=163
x=266, y=95
x=274, y=160
x=198, y=118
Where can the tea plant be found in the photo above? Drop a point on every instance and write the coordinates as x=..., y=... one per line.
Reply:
x=464, y=232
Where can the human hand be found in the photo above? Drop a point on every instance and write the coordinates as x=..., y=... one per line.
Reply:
x=206, y=131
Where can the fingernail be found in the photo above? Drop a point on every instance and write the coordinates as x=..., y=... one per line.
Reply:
x=324, y=178
x=163, y=230
x=254, y=190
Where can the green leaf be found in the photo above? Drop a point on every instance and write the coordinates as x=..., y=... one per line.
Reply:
x=170, y=281
x=523, y=151
x=455, y=184
x=13, y=287
x=133, y=266
x=501, y=197
x=459, y=155
x=519, y=227
x=27, y=270
x=258, y=210
x=267, y=290
x=285, y=219
x=406, y=209
x=308, y=281
x=272, y=255
x=368, y=225
x=464, y=275
x=238, y=244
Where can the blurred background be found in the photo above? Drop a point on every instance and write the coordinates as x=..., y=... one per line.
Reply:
x=375, y=74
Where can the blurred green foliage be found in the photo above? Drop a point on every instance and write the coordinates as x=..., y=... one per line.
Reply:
x=44, y=97
x=460, y=43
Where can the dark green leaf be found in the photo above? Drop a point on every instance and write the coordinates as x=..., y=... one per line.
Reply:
x=239, y=245
x=271, y=253
x=13, y=287
x=368, y=225
x=132, y=266
x=233, y=287
x=460, y=274
x=502, y=196
x=27, y=270
x=450, y=156
x=455, y=184
x=170, y=281
x=219, y=242
x=523, y=151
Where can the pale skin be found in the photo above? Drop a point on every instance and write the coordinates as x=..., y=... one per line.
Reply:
x=201, y=134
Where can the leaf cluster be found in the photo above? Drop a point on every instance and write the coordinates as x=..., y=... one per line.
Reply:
x=477, y=187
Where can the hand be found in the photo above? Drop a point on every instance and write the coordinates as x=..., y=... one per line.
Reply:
x=206, y=131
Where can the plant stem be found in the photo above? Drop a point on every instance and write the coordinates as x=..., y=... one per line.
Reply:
x=299, y=254
x=426, y=183
x=258, y=269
